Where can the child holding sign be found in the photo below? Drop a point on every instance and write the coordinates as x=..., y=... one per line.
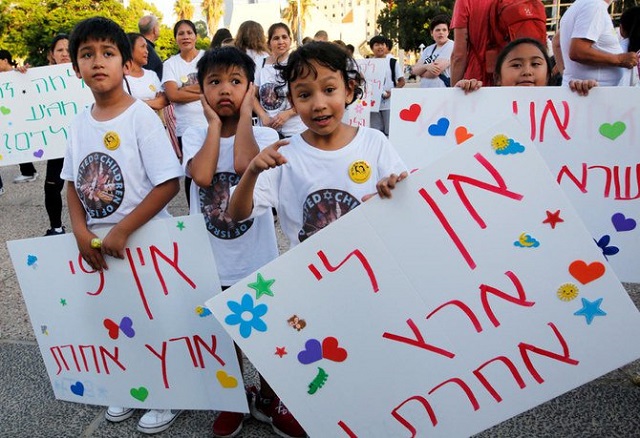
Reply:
x=119, y=163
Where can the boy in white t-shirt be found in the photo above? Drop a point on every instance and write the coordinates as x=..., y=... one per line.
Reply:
x=215, y=158
x=121, y=169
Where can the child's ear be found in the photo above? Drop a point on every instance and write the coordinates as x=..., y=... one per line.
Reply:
x=291, y=101
x=351, y=89
x=78, y=75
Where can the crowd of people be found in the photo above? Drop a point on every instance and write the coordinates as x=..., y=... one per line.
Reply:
x=227, y=120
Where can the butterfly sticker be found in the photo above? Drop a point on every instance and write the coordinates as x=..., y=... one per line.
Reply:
x=607, y=250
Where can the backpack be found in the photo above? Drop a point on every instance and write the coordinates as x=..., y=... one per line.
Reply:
x=513, y=19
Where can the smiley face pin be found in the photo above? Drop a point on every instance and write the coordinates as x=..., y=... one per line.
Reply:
x=359, y=171
x=111, y=140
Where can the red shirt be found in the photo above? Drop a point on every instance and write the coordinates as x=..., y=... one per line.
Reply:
x=473, y=15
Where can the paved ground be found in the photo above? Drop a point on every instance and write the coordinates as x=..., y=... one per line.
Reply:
x=607, y=407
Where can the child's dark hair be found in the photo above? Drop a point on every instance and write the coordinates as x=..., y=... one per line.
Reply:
x=98, y=29
x=380, y=39
x=328, y=55
x=630, y=26
x=439, y=19
x=512, y=45
x=133, y=37
x=223, y=58
x=54, y=41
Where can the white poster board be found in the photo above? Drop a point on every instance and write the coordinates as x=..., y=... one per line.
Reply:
x=136, y=334
x=472, y=295
x=36, y=109
x=374, y=71
x=358, y=114
x=589, y=143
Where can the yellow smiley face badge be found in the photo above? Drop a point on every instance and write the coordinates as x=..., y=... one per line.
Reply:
x=359, y=171
x=111, y=140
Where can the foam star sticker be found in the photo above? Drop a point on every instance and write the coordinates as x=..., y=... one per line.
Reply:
x=262, y=286
x=553, y=219
x=181, y=226
x=591, y=309
x=281, y=351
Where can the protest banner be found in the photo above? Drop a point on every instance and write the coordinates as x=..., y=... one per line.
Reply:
x=374, y=71
x=589, y=143
x=36, y=109
x=472, y=295
x=357, y=114
x=137, y=334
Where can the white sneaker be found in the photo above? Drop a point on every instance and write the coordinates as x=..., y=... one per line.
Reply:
x=116, y=414
x=157, y=420
x=25, y=178
x=1, y=190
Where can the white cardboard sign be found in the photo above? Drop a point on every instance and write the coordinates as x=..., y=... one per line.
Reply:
x=36, y=109
x=589, y=143
x=374, y=71
x=472, y=295
x=137, y=334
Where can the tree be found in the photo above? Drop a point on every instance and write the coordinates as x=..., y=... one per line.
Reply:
x=212, y=10
x=290, y=16
x=183, y=9
x=407, y=21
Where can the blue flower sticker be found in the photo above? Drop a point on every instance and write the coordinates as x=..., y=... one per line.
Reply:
x=248, y=316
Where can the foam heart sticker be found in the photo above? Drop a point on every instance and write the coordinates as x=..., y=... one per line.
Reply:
x=126, y=325
x=31, y=260
x=39, y=153
x=312, y=352
x=78, y=389
x=411, y=114
x=462, y=134
x=586, y=273
x=112, y=327
x=440, y=128
x=226, y=381
x=622, y=223
x=140, y=394
x=331, y=351
x=612, y=131
x=5, y=111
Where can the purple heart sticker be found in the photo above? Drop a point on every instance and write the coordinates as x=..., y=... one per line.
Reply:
x=621, y=223
x=312, y=352
x=126, y=325
x=78, y=389
x=39, y=153
x=440, y=128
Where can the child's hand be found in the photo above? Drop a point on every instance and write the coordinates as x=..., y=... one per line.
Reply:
x=268, y=158
x=90, y=254
x=114, y=242
x=387, y=184
x=582, y=87
x=248, y=101
x=469, y=85
x=209, y=113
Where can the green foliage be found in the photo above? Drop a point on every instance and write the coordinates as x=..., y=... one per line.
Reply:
x=406, y=22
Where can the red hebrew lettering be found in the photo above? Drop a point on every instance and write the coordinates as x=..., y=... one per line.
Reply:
x=500, y=188
x=55, y=357
x=187, y=340
x=628, y=170
x=514, y=373
x=418, y=341
x=114, y=357
x=525, y=349
x=93, y=353
x=520, y=300
x=163, y=361
x=562, y=125
x=582, y=184
x=212, y=351
x=425, y=404
x=532, y=119
x=467, y=391
x=155, y=253
x=140, y=256
x=136, y=278
x=346, y=429
x=86, y=270
x=465, y=309
x=73, y=354
x=355, y=253
x=607, y=185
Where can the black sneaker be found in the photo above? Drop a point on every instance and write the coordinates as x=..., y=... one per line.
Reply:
x=54, y=232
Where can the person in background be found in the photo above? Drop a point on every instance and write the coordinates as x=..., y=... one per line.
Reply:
x=433, y=65
x=251, y=40
x=470, y=37
x=321, y=35
x=149, y=27
x=141, y=83
x=394, y=78
x=630, y=32
x=219, y=37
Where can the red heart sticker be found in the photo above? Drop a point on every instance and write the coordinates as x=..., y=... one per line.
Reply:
x=112, y=327
x=586, y=273
x=462, y=134
x=364, y=103
x=411, y=114
x=331, y=351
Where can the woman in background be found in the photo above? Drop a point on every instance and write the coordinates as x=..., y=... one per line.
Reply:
x=141, y=83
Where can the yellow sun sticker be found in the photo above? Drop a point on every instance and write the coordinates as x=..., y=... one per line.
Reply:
x=567, y=292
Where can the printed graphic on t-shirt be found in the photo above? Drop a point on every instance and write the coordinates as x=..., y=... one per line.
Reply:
x=100, y=185
x=272, y=96
x=323, y=207
x=214, y=201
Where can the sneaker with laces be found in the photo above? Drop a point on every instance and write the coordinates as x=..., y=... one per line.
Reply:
x=228, y=424
x=25, y=178
x=157, y=420
x=260, y=407
x=273, y=411
x=55, y=231
x=116, y=414
x=1, y=190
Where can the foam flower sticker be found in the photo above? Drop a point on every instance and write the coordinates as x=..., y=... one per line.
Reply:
x=247, y=315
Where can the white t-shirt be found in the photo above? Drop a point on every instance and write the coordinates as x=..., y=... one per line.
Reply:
x=176, y=69
x=428, y=56
x=385, y=104
x=111, y=182
x=145, y=87
x=273, y=99
x=589, y=19
x=314, y=188
x=239, y=248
